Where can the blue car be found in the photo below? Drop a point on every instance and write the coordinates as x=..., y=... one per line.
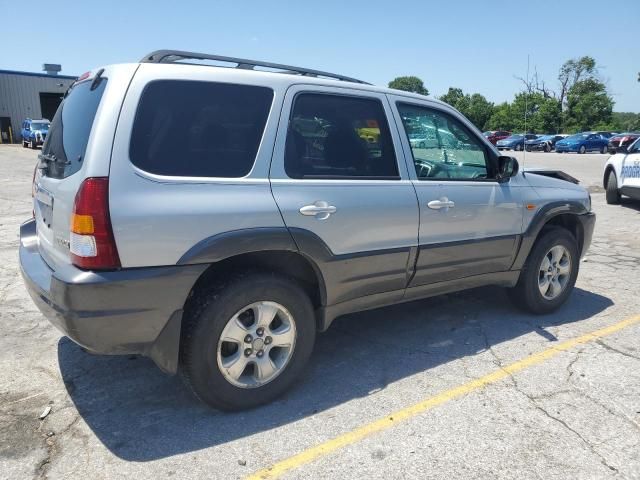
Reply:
x=34, y=132
x=515, y=142
x=583, y=143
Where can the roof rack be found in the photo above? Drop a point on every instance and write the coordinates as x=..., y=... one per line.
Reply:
x=176, y=56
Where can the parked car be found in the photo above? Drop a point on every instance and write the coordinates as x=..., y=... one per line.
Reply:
x=494, y=135
x=582, y=143
x=229, y=214
x=621, y=140
x=34, y=132
x=515, y=142
x=622, y=173
x=545, y=143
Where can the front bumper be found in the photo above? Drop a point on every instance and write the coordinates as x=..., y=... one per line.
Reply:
x=536, y=147
x=129, y=311
x=588, y=222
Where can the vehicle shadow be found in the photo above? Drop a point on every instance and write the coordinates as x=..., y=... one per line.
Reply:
x=141, y=415
x=630, y=203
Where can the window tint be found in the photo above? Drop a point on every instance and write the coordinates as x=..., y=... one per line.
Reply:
x=333, y=136
x=442, y=147
x=199, y=129
x=69, y=131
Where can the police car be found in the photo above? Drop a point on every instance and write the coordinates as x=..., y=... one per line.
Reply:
x=622, y=173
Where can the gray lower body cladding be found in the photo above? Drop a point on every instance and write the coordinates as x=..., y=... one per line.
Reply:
x=132, y=311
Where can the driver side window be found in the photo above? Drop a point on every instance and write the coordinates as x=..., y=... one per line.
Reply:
x=442, y=147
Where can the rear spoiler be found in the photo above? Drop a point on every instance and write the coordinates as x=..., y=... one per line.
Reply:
x=559, y=174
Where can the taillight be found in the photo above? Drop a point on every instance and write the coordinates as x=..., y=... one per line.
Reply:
x=92, y=244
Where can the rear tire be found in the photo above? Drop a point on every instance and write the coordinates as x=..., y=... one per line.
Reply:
x=203, y=353
x=603, y=150
x=612, y=192
x=527, y=294
x=518, y=147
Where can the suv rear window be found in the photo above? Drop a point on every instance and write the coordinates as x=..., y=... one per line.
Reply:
x=69, y=131
x=199, y=129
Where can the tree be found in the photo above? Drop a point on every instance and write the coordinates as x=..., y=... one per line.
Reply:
x=588, y=105
x=574, y=71
x=475, y=107
x=501, y=118
x=409, y=84
x=452, y=96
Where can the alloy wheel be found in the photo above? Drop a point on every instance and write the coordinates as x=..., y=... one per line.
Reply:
x=554, y=272
x=256, y=344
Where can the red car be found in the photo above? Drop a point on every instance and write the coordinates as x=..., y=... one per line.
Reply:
x=621, y=140
x=494, y=135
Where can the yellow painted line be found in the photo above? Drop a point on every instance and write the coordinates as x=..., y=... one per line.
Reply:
x=325, y=448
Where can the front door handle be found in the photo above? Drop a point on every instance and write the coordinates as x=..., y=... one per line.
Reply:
x=320, y=209
x=443, y=202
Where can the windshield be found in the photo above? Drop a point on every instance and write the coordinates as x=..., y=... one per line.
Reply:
x=515, y=137
x=39, y=126
x=69, y=132
x=487, y=134
x=544, y=137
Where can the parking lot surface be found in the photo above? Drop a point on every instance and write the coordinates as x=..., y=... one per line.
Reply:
x=457, y=386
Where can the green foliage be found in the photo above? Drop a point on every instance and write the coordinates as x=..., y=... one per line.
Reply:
x=409, y=84
x=588, y=106
x=626, y=122
x=475, y=107
x=501, y=119
x=582, y=103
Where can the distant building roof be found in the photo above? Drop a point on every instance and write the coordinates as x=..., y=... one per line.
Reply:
x=38, y=74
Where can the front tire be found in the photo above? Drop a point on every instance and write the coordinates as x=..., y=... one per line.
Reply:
x=246, y=341
x=612, y=192
x=549, y=274
x=518, y=148
x=582, y=149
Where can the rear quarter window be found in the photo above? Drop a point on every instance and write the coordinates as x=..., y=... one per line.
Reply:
x=199, y=129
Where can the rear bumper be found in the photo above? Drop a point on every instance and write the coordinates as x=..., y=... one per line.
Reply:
x=130, y=311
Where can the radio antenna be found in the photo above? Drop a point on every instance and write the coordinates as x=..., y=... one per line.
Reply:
x=526, y=107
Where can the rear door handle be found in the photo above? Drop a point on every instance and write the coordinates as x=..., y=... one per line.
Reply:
x=443, y=202
x=320, y=209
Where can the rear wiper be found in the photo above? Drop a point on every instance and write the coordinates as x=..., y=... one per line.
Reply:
x=49, y=158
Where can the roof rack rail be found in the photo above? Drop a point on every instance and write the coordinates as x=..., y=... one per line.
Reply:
x=175, y=56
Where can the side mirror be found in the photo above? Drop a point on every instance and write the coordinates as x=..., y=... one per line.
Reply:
x=507, y=167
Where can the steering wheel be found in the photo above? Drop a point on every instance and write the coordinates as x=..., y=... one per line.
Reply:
x=429, y=169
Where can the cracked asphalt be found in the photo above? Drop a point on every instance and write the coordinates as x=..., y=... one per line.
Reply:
x=576, y=415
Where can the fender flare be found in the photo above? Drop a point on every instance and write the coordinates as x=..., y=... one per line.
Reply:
x=541, y=218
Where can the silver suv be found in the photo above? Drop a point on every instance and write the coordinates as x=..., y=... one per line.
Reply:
x=214, y=219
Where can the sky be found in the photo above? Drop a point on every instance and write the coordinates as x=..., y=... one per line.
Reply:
x=479, y=46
